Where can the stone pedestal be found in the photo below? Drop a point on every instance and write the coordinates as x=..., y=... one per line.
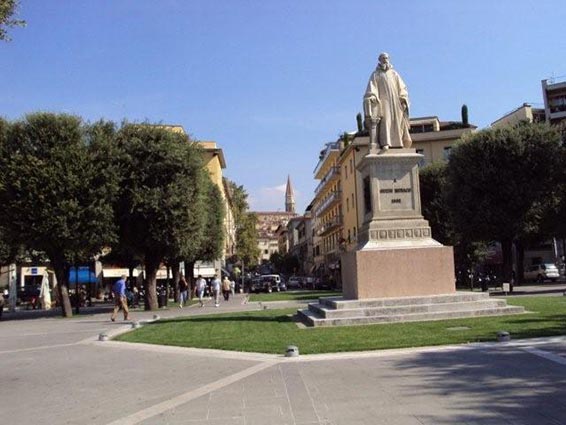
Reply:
x=402, y=272
x=396, y=255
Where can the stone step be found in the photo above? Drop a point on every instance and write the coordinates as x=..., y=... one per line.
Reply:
x=310, y=318
x=329, y=313
x=341, y=303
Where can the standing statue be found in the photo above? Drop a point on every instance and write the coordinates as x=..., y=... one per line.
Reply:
x=386, y=108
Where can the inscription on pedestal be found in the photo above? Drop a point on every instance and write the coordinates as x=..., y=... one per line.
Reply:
x=395, y=189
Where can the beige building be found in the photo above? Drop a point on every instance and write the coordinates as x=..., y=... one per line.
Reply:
x=327, y=212
x=304, y=247
x=434, y=139
x=349, y=158
x=525, y=112
x=215, y=163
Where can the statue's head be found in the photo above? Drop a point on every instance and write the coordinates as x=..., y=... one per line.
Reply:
x=384, y=61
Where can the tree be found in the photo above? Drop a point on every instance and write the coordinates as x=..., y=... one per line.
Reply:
x=57, y=190
x=246, y=233
x=467, y=253
x=212, y=241
x=496, y=177
x=159, y=208
x=7, y=10
x=432, y=179
x=246, y=240
x=5, y=247
x=465, y=121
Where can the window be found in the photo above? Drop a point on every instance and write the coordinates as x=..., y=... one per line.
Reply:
x=347, y=204
x=266, y=251
x=447, y=152
x=351, y=166
x=349, y=238
x=346, y=172
x=354, y=231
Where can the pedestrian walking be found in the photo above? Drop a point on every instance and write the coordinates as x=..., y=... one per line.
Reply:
x=200, y=286
x=233, y=287
x=226, y=288
x=183, y=291
x=120, y=301
x=216, y=290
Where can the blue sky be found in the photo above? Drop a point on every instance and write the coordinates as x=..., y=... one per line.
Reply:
x=272, y=81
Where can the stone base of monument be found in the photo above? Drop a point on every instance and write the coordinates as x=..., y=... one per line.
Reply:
x=338, y=311
x=400, y=272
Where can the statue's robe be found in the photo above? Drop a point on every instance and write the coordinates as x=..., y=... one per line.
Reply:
x=382, y=100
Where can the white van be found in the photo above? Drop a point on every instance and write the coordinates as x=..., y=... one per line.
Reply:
x=272, y=282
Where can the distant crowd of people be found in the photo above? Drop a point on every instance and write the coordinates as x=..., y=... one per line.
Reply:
x=127, y=295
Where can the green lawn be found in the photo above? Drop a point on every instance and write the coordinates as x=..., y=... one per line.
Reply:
x=293, y=295
x=270, y=331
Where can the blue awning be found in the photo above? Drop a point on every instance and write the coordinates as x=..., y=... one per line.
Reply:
x=85, y=275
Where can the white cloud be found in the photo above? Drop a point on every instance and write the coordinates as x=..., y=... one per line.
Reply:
x=269, y=198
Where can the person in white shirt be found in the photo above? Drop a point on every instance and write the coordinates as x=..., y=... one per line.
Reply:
x=216, y=290
x=200, y=287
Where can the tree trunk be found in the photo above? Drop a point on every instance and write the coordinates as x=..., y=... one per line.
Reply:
x=189, y=267
x=520, y=261
x=506, y=248
x=62, y=274
x=175, y=275
x=151, y=267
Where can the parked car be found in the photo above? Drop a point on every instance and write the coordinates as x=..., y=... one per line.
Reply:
x=282, y=285
x=268, y=283
x=308, y=282
x=294, y=282
x=322, y=283
x=542, y=272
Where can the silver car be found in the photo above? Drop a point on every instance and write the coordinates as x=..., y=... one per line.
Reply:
x=542, y=272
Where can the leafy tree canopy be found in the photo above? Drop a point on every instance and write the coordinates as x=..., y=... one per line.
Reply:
x=246, y=233
x=498, y=179
x=57, y=190
x=496, y=176
x=158, y=209
x=7, y=10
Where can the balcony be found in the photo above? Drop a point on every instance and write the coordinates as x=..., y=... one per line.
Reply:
x=331, y=176
x=330, y=149
x=332, y=199
x=334, y=223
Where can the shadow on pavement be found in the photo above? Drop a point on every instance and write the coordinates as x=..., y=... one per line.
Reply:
x=54, y=312
x=505, y=385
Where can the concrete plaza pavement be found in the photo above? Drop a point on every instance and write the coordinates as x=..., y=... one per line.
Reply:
x=55, y=371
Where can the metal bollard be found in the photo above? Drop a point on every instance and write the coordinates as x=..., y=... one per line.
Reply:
x=103, y=337
x=292, y=351
x=503, y=336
